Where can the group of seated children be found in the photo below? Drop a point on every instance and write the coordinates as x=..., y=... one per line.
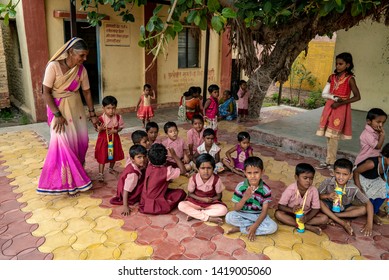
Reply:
x=146, y=178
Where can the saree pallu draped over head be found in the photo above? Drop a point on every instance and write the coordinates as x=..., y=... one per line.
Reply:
x=63, y=171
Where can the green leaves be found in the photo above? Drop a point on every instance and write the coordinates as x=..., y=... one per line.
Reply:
x=228, y=13
x=217, y=24
x=213, y=5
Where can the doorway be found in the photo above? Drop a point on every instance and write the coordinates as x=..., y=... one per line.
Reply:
x=88, y=33
x=235, y=78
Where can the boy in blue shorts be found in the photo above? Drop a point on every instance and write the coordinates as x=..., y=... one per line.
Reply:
x=251, y=198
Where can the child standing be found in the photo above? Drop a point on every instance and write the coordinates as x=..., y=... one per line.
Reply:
x=110, y=124
x=251, y=198
x=243, y=151
x=209, y=147
x=350, y=194
x=373, y=136
x=144, y=110
x=301, y=195
x=368, y=178
x=211, y=109
x=156, y=197
x=152, y=130
x=227, y=107
x=243, y=101
x=335, y=121
x=194, y=135
x=204, y=193
x=130, y=183
x=177, y=144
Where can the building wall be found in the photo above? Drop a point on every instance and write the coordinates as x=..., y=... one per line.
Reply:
x=319, y=62
x=369, y=45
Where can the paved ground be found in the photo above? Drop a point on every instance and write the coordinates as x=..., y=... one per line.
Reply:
x=33, y=226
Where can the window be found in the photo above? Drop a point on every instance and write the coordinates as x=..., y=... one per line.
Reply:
x=188, y=48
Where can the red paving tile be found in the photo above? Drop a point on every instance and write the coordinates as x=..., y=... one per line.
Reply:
x=163, y=220
x=167, y=249
x=206, y=232
x=242, y=254
x=17, y=228
x=367, y=249
x=196, y=248
x=150, y=235
x=32, y=254
x=179, y=231
x=227, y=245
x=219, y=255
x=382, y=242
x=135, y=221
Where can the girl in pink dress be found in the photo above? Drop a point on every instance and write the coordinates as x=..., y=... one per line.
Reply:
x=211, y=109
x=204, y=193
x=109, y=127
x=144, y=109
x=243, y=151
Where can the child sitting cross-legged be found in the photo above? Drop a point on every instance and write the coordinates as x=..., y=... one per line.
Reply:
x=140, y=137
x=152, y=130
x=156, y=197
x=130, y=183
x=209, y=147
x=251, y=198
x=204, y=193
x=350, y=194
x=301, y=195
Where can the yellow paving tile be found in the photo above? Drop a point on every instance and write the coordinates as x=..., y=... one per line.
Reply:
x=49, y=226
x=132, y=251
x=286, y=239
x=63, y=201
x=285, y=228
x=70, y=212
x=43, y=214
x=281, y=253
x=84, y=201
x=312, y=238
x=28, y=195
x=68, y=253
x=102, y=252
x=119, y=236
x=55, y=240
x=76, y=225
x=21, y=180
x=312, y=252
x=35, y=173
x=359, y=258
x=340, y=251
x=257, y=246
x=34, y=204
x=87, y=238
x=16, y=173
x=105, y=223
x=95, y=212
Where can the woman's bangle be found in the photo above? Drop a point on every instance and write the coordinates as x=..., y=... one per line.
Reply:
x=57, y=114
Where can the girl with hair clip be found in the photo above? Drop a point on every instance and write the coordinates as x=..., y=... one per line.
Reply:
x=335, y=121
x=63, y=171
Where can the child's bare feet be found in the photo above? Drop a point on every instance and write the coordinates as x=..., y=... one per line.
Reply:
x=314, y=229
x=216, y=220
x=100, y=177
x=331, y=222
x=377, y=220
x=348, y=228
x=233, y=230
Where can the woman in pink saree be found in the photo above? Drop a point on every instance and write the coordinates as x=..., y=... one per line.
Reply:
x=63, y=171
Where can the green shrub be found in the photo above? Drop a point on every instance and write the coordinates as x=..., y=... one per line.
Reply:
x=314, y=100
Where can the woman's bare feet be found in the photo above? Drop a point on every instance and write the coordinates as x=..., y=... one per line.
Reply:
x=377, y=220
x=233, y=230
x=314, y=229
x=216, y=220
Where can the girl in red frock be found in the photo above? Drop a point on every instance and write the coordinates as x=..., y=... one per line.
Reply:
x=335, y=121
x=108, y=145
x=144, y=109
x=156, y=197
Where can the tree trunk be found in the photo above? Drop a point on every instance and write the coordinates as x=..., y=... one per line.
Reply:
x=276, y=68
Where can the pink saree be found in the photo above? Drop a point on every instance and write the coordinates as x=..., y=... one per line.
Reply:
x=63, y=171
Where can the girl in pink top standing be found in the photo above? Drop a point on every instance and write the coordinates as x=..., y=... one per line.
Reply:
x=211, y=109
x=243, y=101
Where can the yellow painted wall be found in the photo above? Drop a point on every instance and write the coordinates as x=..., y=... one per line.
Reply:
x=369, y=45
x=319, y=62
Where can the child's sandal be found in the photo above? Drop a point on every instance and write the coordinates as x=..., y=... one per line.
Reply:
x=100, y=177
